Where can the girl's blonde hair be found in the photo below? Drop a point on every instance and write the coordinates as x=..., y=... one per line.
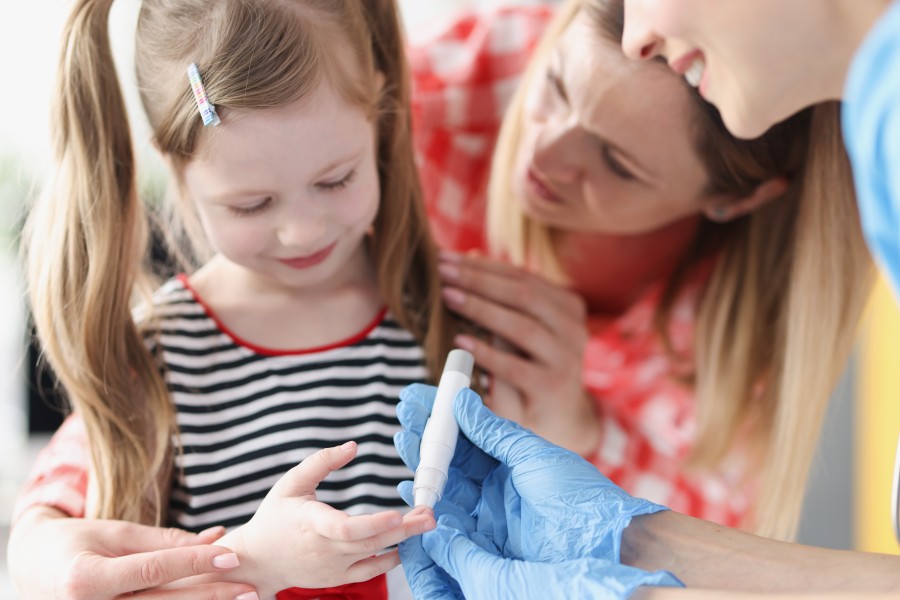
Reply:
x=778, y=316
x=86, y=242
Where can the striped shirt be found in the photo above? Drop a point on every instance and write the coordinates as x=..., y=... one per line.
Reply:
x=246, y=415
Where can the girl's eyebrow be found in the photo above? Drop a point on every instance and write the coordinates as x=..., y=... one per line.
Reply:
x=354, y=156
x=231, y=193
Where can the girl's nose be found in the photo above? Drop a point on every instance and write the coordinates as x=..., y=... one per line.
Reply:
x=301, y=229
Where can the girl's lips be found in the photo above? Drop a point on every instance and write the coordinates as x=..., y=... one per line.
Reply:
x=304, y=262
x=541, y=189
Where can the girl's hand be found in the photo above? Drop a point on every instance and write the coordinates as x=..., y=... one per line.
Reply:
x=535, y=361
x=56, y=557
x=295, y=541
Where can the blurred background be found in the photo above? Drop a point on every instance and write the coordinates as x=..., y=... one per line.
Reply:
x=848, y=500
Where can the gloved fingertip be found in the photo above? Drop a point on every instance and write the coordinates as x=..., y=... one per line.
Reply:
x=449, y=521
x=419, y=392
x=405, y=488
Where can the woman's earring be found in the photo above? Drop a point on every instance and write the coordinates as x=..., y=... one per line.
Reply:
x=719, y=214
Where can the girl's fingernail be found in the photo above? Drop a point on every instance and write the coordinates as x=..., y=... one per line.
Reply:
x=247, y=596
x=347, y=445
x=453, y=295
x=226, y=561
x=449, y=271
x=464, y=342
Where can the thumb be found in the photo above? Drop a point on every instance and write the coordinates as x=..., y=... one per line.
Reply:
x=476, y=570
x=506, y=441
x=303, y=479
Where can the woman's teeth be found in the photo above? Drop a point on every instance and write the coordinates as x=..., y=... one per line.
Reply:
x=695, y=73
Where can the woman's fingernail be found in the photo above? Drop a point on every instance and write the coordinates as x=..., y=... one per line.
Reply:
x=449, y=271
x=449, y=256
x=215, y=531
x=226, y=561
x=347, y=445
x=453, y=295
x=464, y=342
x=247, y=596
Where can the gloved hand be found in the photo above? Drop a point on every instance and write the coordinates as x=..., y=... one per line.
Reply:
x=538, y=502
x=488, y=576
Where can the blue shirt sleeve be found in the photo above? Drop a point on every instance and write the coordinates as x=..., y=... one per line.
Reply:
x=871, y=127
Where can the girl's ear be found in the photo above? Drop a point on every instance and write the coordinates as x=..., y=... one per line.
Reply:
x=723, y=210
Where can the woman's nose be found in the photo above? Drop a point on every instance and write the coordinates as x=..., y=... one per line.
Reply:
x=559, y=153
x=639, y=42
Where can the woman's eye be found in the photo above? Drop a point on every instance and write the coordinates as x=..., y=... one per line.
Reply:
x=556, y=84
x=340, y=183
x=243, y=211
x=615, y=166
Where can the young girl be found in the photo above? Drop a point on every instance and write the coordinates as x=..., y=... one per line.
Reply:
x=710, y=286
x=316, y=302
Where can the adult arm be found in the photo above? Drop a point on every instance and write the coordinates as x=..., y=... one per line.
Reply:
x=540, y=504
x=707, y=555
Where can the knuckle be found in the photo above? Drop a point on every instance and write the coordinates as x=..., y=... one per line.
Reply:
x=371, y=544
x=152, y=572
x=199, y=564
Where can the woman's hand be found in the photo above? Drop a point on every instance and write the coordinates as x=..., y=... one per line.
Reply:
x=535, y=361
x=295, y=541
x=55, y=557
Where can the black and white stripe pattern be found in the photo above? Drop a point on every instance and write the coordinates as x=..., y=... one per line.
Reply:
x=246, y=417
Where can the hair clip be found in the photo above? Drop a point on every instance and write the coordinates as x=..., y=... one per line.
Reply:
x=207, y=110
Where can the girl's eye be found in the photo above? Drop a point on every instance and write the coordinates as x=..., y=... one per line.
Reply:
x=557, y=85
x=243, y=211
x=615, y=166
x=343, y=182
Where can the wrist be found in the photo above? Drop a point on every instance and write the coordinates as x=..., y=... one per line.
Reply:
x=252, y=569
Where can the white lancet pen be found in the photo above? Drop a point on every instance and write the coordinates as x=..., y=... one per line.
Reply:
x=441, y=431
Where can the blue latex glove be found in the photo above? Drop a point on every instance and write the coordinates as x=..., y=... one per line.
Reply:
x=508, y=551
x=538, y=502
x=487, y=576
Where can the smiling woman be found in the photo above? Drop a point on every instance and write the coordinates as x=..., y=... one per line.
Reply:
x=651, y=306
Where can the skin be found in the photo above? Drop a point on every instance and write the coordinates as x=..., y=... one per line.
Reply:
x=764, y=60
x=101, y=560
x=281, y=183
x=707, y=555
x=610, y=138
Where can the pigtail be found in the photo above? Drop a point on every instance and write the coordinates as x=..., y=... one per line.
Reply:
x=85, y=242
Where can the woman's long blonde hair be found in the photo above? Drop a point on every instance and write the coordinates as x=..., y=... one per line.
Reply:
x=86, y=244
x=778, y=317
